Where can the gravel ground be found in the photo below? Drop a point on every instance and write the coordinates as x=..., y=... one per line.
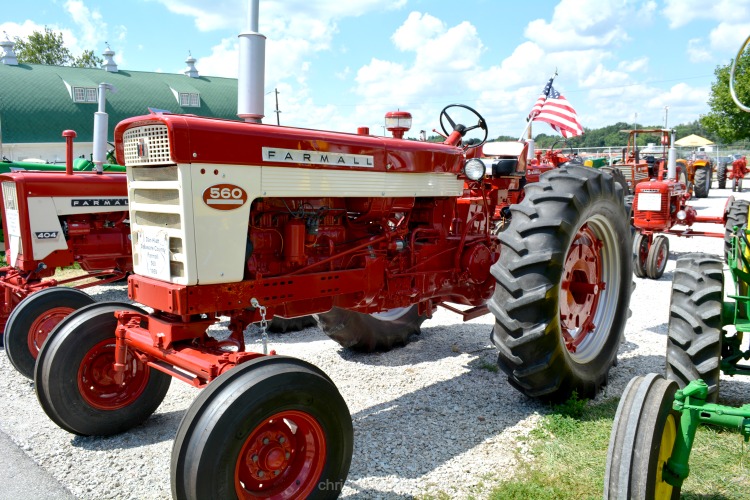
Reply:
x=430, y=417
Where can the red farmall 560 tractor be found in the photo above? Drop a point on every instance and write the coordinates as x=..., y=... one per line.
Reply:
x=248, y=220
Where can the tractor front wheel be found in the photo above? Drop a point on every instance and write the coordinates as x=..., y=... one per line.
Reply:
x=75, y=380
x=643, y=435
x=563, y=284
x=694, y=329
x=658, y=255
x=702, y=184
x=737, y=215
x=274, y=427
x=371, y=332
x=640, y=254
x=33, y=319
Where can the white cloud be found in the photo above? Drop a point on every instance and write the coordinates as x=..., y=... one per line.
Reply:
x=727, y=37
x=91, y=27
x=417, y=29
x=697, y=51
x=681, y=12
x=640, y=64
x=581, y=24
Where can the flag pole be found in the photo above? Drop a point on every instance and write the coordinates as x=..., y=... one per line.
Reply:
x=528, y=124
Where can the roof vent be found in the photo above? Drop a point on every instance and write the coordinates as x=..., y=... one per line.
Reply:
x=109, y=63
x=191, y=71
x=7, y=56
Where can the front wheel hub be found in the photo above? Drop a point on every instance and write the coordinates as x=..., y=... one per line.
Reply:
x=282, y=458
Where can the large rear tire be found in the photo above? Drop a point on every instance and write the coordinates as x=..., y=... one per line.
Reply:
x=371, y=332
x=32, y=321
x=737, y=215
x=274, y=427
x=74, y=379
x=644, y=432
x=702, y=181
x=694, y=330
x=563, y=285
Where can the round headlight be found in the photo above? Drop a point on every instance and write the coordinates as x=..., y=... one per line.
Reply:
x=681, y=215
x=474, y=169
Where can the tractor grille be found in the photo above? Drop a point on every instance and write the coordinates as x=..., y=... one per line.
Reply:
x=146, y=145
x=9, y=195
x=13, y=231
x=646, y=209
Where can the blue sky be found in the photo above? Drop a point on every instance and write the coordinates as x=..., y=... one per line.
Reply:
x=343, y=64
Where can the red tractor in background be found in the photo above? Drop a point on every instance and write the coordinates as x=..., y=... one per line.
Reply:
x=736, y=172
x=660, y=207
x=53, y=220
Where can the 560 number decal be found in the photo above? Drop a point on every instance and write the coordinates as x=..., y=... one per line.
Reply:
x=224, y=196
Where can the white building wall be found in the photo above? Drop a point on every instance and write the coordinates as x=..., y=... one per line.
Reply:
x=50, y=152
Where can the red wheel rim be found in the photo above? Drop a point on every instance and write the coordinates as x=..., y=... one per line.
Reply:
x=580, y=288
x=43, y=325
x=96, y=378
x=282, y=457
x=661, y=259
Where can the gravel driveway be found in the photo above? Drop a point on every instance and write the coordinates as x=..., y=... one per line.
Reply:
x=433, y=416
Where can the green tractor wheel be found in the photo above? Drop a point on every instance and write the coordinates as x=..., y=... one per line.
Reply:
x=643, y=436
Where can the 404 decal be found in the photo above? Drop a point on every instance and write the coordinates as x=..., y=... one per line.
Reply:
x=224, y=196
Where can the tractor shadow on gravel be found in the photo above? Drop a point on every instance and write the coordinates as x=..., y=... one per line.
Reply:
x=418, y=433
x=433, y=344
x=159, y=428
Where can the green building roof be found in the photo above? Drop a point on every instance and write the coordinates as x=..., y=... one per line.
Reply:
x=37, y=101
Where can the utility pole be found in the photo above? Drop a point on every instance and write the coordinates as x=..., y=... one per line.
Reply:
x=278, y=122
x=666, y=114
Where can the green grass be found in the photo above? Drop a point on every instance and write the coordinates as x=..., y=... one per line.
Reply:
x=568, y=454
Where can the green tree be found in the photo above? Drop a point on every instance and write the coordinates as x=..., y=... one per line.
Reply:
x=87, y=60
x=726, y=120
x=48, y=48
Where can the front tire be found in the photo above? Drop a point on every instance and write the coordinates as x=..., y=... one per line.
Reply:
x=33, y=319
x=702, y=184
x=74, y=379
x=694, y=330
x=273, y=427
x=658, y=255
x=563, y=285
x=643, y=435
x=721, y=175
x=737, y=215
x=371, y=332
x=640, y=254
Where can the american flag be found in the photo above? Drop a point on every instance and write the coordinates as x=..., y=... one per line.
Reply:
x=553, y=108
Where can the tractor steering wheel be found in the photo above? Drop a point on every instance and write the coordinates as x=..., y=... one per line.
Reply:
x=731, y=78
x=565, y=144
x=462, y=129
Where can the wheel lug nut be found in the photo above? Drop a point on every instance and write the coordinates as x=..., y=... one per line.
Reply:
x=287, y=455
x=265, y=441
x=261, y=473
x=276, y=472
x=255, y=458
x=282, y=440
